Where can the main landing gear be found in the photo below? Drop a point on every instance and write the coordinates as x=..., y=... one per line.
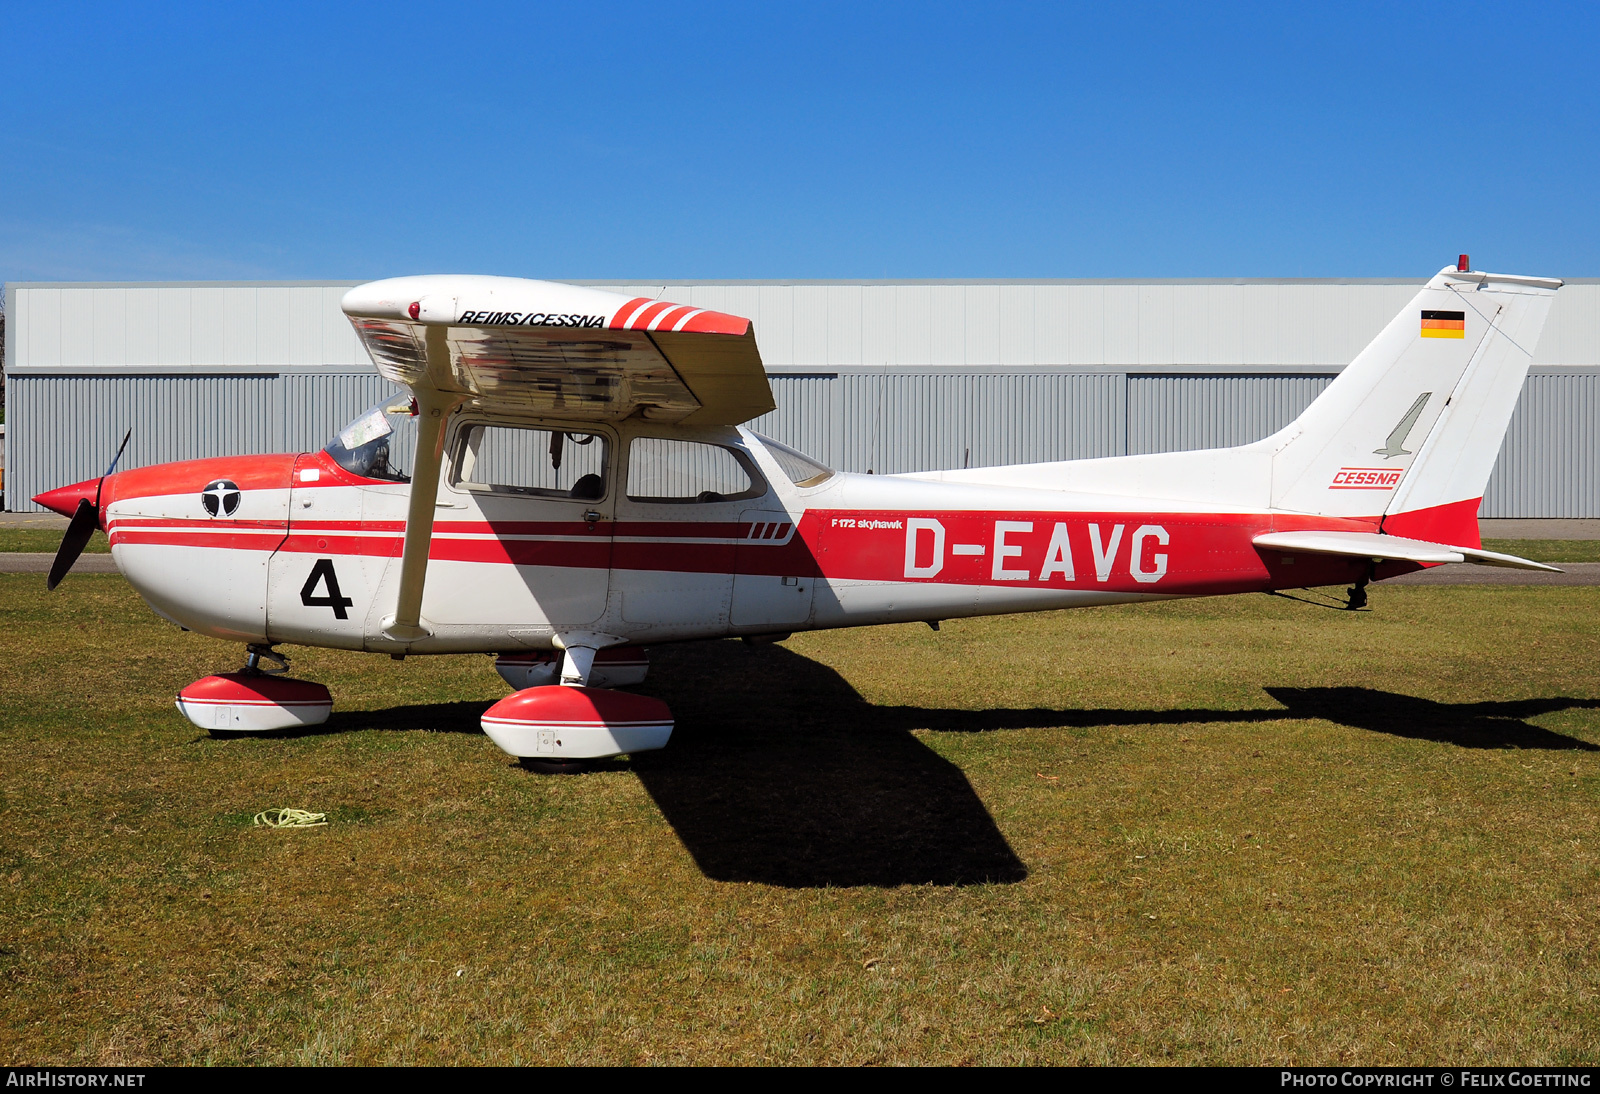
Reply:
x=262, y=697
x=1358, y=591
x=556, y=728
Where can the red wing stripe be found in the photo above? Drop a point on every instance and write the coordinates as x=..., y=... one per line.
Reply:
x=625, y=314
x=669, y=316
x=642, y=320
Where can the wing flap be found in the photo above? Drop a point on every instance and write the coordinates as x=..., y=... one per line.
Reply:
x=1377, y=546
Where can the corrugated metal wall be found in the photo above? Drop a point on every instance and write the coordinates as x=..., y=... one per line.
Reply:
x=1549, y=465
x=67, y=429
x=1177, y=413
x=881, y=377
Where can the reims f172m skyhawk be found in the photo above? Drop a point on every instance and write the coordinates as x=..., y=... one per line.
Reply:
x=582, y=487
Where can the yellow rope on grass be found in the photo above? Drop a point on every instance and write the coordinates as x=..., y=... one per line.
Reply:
x=290, y=818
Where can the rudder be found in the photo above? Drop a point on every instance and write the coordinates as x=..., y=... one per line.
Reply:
x=1410, y=431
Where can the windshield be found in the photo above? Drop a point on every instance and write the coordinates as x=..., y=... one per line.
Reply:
x=801, y=469
x=379, y=441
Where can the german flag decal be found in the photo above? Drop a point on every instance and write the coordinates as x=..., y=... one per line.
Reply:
x=1444, y=324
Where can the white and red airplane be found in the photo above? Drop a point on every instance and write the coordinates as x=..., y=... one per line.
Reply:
x=581, y=487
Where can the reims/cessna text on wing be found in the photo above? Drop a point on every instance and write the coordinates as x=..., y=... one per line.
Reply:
x=581, y=487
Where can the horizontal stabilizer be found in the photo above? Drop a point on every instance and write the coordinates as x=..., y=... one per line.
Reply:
x=1375, y=545
x=1495, y=558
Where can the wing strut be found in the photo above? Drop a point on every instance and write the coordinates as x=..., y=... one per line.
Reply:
x=434, y=408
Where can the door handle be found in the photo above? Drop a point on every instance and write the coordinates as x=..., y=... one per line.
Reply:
x=591, y=515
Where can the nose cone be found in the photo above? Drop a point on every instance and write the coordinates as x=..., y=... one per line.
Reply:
x=64, y=499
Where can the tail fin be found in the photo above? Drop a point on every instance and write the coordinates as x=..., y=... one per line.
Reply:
x=1411, y=429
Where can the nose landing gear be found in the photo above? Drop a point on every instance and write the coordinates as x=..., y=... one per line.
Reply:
x=258, y=699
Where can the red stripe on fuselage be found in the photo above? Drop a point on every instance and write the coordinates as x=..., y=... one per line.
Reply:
x=1177, y=553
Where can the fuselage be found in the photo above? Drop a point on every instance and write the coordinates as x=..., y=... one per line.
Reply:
x=299, y=549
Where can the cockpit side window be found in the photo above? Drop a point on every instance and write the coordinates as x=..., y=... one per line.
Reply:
x=664, y=470
x=500, y=459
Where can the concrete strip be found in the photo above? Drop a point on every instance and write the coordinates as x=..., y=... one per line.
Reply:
x=1539, y=529
x=32, y=520
x=38, y=562
x=1577, y=573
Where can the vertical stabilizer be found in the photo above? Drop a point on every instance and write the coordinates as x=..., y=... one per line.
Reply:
x=1411, y=429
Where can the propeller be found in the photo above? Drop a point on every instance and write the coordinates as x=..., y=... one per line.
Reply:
x=85, y=519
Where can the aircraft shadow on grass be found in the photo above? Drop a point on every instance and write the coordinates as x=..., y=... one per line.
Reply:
x=781, y=773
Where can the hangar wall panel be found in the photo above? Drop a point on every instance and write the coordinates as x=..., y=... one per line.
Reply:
x=1557, y=414
x=806, y=417
x=870, y=375
x=897, y=421
x=70, y=426
x=1176, y=413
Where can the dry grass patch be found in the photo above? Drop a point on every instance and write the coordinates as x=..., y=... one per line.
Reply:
x=1239, y=831
x=46, y=540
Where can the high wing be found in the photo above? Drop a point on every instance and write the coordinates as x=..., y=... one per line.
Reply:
x=1376, y=546
x=562, y=351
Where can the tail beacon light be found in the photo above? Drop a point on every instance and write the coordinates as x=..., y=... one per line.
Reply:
x=1463, y=264
x=242, y=702
x=557, y=722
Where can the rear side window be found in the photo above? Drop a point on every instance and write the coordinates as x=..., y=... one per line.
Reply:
x=801, y=468
x=501, y=459
x=678, y=471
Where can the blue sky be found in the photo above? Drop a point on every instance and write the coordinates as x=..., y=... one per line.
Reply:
x=594, y=140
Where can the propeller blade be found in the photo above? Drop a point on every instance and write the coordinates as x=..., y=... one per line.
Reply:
x=84, y=522
x=114, y=461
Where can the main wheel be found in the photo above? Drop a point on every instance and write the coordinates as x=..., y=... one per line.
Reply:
x=554, y=767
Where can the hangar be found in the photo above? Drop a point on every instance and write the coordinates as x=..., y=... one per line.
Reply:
x=882, y=376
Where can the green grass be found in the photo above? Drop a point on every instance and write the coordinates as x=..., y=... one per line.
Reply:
x=1548, y=550
x=1236, y=831
x=45, y=539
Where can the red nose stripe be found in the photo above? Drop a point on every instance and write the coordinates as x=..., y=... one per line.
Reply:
x=64, y=499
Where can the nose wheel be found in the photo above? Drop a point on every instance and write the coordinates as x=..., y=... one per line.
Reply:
x=554, y=767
